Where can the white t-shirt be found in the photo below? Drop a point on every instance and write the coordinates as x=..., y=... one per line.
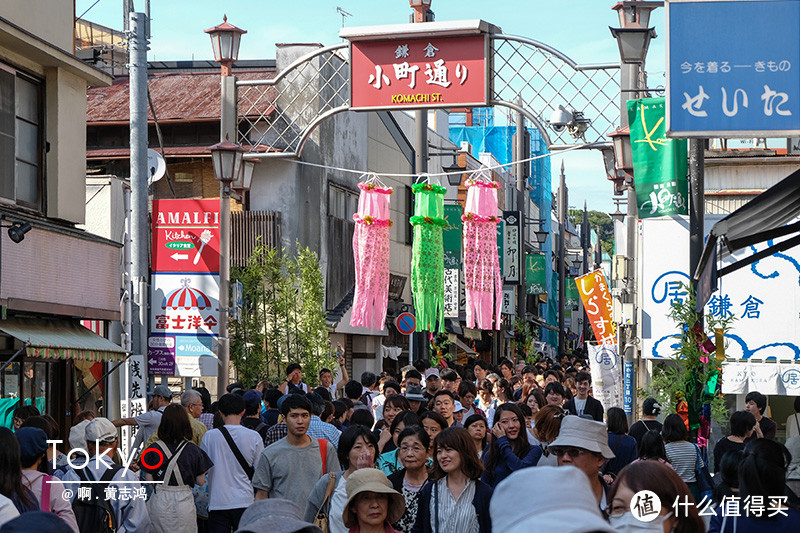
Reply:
x=229, y=486
x=580, y=405
x=7, y=510
x=332, y=389
x=338, y=501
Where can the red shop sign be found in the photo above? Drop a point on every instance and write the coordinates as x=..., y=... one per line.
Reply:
x=186, y=235
x=410, y=73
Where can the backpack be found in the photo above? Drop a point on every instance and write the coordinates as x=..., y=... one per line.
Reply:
x=95, y=513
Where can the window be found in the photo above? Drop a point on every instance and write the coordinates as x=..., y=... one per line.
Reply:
x=21, y=138
x=342, y=204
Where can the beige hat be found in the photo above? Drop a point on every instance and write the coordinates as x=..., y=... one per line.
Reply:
x=372, y=480
x=582, y=433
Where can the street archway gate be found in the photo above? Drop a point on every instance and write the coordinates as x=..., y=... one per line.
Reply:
x=276, y=116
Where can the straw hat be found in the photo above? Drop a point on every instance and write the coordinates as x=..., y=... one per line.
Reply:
x=372, y=480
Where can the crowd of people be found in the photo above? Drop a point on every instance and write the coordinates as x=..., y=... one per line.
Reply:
x=470, y=448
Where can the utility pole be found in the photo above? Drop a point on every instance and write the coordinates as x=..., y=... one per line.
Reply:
x=696, y=206
x=140, y=269
x=522, y=204
x=562, y=252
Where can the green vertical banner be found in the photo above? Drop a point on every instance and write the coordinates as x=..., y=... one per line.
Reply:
x=571, y=296
x=451, y=236
x=659, y=164
x=500, y=229
x=535, y=274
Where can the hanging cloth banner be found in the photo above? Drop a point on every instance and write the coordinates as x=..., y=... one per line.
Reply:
x=598, y=305
x=427, y=259
x=606, y=369
x=484, y=285
x=371, y=253
x=571, y=295
x=659, y=164
x=535, y=273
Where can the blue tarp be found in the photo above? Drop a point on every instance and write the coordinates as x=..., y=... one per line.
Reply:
x=498, y=140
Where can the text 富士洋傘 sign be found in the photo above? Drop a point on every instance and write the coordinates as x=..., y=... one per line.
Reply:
x=415, y=72
x=733, y=68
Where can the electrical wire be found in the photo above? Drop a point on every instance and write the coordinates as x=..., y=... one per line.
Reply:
x=470, y=171
x=90, y=7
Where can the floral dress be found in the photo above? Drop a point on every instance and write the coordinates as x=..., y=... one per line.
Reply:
x=411, y=495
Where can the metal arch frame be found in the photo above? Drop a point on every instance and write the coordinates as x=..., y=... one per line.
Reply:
x=538, y=122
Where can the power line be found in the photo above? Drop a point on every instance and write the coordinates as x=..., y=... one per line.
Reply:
x=90, y=7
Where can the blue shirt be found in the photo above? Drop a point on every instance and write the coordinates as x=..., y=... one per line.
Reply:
x=509, y=462
x=322, y=430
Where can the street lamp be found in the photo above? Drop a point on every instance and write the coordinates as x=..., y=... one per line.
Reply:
x=225, y=39
x=420, y=8
x=227, y=159
x=246, y=176
x=633, y=43
x=623, y=155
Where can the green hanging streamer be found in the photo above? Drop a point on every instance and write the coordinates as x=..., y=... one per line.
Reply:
x=427, y=260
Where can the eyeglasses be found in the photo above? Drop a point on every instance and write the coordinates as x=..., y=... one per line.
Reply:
x=568, y=450
x=415, y=449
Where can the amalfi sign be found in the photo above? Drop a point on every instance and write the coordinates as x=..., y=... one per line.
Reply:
x=403, y=70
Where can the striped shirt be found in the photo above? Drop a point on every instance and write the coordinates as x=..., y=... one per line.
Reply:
x=454, y=514
x=322, y=430
x=683, y=457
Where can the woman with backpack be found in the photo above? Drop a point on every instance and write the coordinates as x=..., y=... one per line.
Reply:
x=171, y=507
x=47, y=489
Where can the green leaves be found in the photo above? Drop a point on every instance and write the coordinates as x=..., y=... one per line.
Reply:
x=283, y=319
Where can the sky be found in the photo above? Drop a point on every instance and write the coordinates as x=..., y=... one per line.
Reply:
x=578, y=28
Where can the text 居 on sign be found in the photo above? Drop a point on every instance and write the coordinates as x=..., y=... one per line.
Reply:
x=733, y=68
x=598, y=304
x=413, y=72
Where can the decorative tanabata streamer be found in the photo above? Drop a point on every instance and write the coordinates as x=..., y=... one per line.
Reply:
x=484, y=286
x=427, y=260
x=371, y=252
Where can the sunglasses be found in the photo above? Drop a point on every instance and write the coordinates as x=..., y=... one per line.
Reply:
x=568, y=450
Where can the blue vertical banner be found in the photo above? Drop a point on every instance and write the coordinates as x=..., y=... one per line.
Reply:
x=627, y=392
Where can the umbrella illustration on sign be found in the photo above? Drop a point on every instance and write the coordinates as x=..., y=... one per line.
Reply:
x=204, y=238
x=186, y=298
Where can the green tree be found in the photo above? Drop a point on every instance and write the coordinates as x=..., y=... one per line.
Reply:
x=600, y=222
x=693, y=376
x=283, y=319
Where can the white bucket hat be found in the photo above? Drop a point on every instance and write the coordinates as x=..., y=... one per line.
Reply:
x=549, y=510
x=582, y=433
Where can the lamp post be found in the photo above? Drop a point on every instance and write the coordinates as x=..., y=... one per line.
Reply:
x=420, y=8
x=633, y=38
x=562, y=252
x=227, y=158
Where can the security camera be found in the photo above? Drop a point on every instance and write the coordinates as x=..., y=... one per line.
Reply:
x=560, y=119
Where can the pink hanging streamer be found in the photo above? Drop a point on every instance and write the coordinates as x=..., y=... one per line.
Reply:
x=371, y=253
x=484, y=286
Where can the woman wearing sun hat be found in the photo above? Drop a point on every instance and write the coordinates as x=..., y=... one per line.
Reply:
x=372, y=504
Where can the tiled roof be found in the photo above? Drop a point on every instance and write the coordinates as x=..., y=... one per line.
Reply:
x=176, y=97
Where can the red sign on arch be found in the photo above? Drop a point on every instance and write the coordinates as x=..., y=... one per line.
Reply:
x=409, y=73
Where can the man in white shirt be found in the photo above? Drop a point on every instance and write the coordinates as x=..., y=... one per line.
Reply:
x=230, y=491
x=294, y=380
x=326, y=376
x=583, y=404
x=148, y=422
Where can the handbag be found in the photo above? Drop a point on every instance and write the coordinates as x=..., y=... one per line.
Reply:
x=705, y=483
x=321, y=520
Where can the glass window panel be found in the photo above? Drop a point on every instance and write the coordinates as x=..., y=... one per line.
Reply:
x=39, y=395
x=9, y=393
x=27, y=142
x=27, y=100
x=7, y=166
x=27, y=183
x=6, y=102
